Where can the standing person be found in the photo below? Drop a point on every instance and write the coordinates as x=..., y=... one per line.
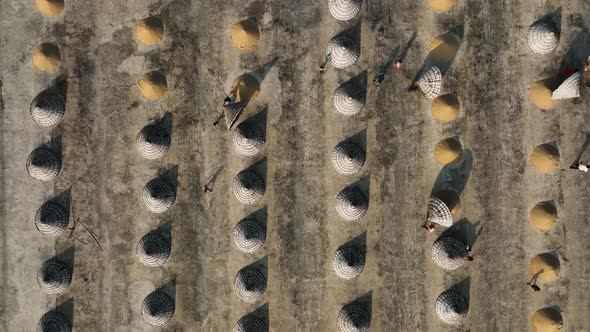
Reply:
x=207, y=189
x=380, y=77
x=533, y=282
x=397, y=64
x=579, y=166
x=229, y=99
x=428, y=227
x=412, y=88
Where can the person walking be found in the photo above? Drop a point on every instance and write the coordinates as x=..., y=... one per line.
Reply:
x=380, y=77
x=579, y=166
x=534, y=288
x=324, y=64
x=209, y=185
x=533, y=282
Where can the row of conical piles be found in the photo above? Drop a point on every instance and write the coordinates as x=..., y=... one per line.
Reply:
x=348, y=159
x=543, y=38
x=44, y=164
x=248, y=186
x=448, y=252
x=159, y=194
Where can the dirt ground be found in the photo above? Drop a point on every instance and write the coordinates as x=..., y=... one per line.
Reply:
x=103, y=174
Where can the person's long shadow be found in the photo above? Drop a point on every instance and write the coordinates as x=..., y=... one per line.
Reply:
x=385, y=67
x=584, y=148
x=454, y=177
x=535, y=277
x=444, y=54
x=398, y=54
x=213, y=179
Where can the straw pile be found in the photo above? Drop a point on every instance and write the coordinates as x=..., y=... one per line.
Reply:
x=440, y=6
x=245, y=35
x=547, y=320
x=543, y=216
x=545, y=158
x=246, y=88
x=46, y=57
x=541, y=94
x=153, y=85
x=446, y=108
x=149, y=31
x=548, y=263
x=448, y=151
x=445, y=47
x=49, y=7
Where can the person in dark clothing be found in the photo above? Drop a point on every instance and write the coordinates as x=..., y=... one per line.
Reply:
x=219, y=119
x=533, y=282
x=207, y=189
x=380, y=77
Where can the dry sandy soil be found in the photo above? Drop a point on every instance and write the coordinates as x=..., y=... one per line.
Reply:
x=104, y=174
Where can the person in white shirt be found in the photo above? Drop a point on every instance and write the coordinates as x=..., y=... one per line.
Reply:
x=580, y=166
